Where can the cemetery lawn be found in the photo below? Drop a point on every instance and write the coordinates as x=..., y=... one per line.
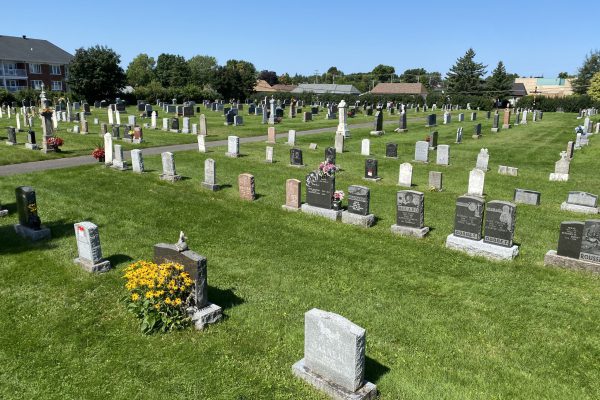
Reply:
x=81, y=145
x=440, y=324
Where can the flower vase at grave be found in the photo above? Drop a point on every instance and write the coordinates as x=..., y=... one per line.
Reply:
x=337, y=205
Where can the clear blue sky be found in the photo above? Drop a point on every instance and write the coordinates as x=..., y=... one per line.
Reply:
x=530, y=37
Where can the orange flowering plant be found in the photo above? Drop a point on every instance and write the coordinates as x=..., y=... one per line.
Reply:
x=158, y=295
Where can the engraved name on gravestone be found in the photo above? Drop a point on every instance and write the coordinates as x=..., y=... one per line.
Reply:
x=469, y=217
x=569, y=239
x=358, y=199
x=525, y=196
x=410, y=209
x=590, y=242
x=319, y=190
x=500, y=223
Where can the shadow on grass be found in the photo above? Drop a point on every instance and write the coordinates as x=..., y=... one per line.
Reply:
x=374, y=370
x=226, y=298
x=12, y=243
x=117, y=259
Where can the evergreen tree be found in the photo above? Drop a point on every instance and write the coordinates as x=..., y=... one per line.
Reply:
x=590, y=66
x=94, y=73
x=499, y=84
x=465, y=77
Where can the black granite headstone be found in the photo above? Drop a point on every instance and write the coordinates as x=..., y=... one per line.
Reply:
x=296, y=157
x=402, y=121
x=27, y=207
x=590, y=242
x=477, y=130
x=12, y=134
x=391, y=150
x=378, y=123
x=31, y=137
x=569, y=239
x=229, y=117
x=469, y=217
x=319, y=190
x=330, y=154
x=410, y=209
x=433, y=140
x=175, y=124
x=431, y=120
x=496, y=121
x=500, y=223
x=358, y=199
x=371, y=168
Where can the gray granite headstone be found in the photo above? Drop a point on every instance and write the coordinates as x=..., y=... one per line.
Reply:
x=410, y=209
x=569, y=239
x=88, y=248
x=469, y=217
x=358, y=200
x=590, y=241
x=582, y=199
x=422, y=151
x=525, y=196
x=137, y=160
x=500, y=223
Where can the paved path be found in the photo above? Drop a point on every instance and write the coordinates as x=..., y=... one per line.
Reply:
x=23, y=168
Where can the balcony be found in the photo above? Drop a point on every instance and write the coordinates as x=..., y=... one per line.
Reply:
x=13, y=89
x=13, y=73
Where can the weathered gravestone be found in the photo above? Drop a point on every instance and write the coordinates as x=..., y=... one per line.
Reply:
x=476, y=182
x=202, y=312
x=443, y=155
x=391, y=150
x=410, y=214
x=436, y=181
x=330, y=154
x=233, y=146
x=30, y=225
x=371, y=170
x=483, y=159
x=12, y=136
x=269, y=154
x=405, y=175
x=359, y=198
x=561, y=168
x=291, y=138
x=496, y=122
x=402, y=123
x=296, y=158
x=210, y=175
x=168, y=166
x=293, y=194
x=581, y=202
x=506, y=119
x=119, y=158
x=246, y=187
x=201, y=143
x=422, y=151
x=508, y=171
x=137, y=161
x=365, y=147
x=89, y=249
x=334, y=356
x=524, y=196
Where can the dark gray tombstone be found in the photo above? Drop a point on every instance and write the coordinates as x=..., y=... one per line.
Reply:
x=410, y=209
x=12, y=135
x=590, y=241
x=296, y=157
x=229, y=118
x=330, y=154
x=116, y=131
x=378, y=123
x=359, y=198
x=500, y=223
x=319, y=190
x=433, y=140
x=30, y=224
x=402, y=123
x=477, y=130
x=371, y=169
x=469, y=217
x=431, y=120
x=569, y=239
x=391, y=150
x=175, y=124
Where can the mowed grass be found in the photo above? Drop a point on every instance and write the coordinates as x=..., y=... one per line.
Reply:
x=440, y=324
x=78, y=144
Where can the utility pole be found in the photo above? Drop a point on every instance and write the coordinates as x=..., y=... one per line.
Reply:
x=316, y=76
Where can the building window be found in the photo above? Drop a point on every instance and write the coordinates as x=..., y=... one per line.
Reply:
x=57, y=86
x=35, y=68
x=36, y=85
x=12, y=83
x=55, y=69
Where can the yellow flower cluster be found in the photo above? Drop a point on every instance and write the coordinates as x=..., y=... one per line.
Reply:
x=161, y=284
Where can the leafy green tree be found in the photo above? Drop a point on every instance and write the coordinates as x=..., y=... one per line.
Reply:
x=412, y=75
x=590, y=66
x=236, y=79
x=269, y=76
x=499, y=83
x=285, y=79
x=140, y=70
x=465, y=77
x=594, y=89
x=202, y=69
x=563, y=75
x=383, y=73
x=172, y=70
x=94, y=73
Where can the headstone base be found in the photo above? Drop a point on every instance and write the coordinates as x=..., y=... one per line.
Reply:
x=333, y=215
x=578, y=208
x=377, y=179
x=495, y=130
x=288, y=208
x=480, y=248
x=400, y=130
x=506, y=126
x=210, y=186
x=31, y=146
x=476, y=136
x=102, y=266
x=138, y=141
x=559, y=177
x=3, y=213
x=232, y=155
x=127, y=140
x=31, y=234
x=365, y=392
x=364, y=221
x=174, y=130
x=377, y=133
x=297, y=165
x=408, y=231
x=170, y=178
x=10, y=143
x=553, y=259
x=201, y=317
x=120, y=165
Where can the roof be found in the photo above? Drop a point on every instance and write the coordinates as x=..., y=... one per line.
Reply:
x=32, y=51
x=518, y=89
x=263, y=86
x=399, y=88
x=284, y=88
x=321, y=88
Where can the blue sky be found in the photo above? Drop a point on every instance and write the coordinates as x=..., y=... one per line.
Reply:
x=530, y=37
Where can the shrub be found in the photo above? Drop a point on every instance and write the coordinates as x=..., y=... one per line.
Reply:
x=572, y=103
x=158, y=295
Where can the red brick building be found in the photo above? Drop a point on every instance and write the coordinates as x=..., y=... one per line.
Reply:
x=27, y=63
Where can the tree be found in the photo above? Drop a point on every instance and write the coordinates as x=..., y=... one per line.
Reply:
x=499, y=83
x=236, y=79
x=383, y=73
x=95, y=73
x=140, y=70
x=285, y=79
x=202, y=69
x=563, y=75
x=269, y=76
x=590, y=66
x=172, y=70
x=412, y=75
x=594, y=89
x=465, y=77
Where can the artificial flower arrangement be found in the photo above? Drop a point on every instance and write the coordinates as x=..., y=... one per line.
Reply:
x=327, y=168
x=338, y=195
x=55, y=141
x=98, y=152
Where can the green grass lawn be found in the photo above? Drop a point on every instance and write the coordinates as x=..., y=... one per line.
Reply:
x=440, y=324
x=77, y=144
